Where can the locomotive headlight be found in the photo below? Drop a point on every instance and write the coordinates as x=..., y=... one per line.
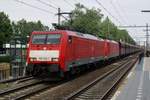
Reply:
x=28, y=45
x=26, y=63
x=55, y=59
x=33, y=59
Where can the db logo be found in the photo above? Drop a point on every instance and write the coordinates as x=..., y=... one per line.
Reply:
x=44, y=48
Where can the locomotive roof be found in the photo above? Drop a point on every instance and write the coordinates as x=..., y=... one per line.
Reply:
x=113, y=41
x=87, y=36
x=72, y=33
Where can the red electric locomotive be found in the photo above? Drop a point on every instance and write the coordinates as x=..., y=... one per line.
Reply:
x=61, y=51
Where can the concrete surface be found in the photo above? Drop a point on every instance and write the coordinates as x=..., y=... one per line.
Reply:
x=137, y=84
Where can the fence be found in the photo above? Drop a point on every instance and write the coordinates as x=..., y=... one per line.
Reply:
x=11, y=72
x=13, y=69
x=16, y=62
x=4, y=71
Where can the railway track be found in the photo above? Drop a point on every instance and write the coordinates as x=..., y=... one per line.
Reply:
x=11, y=82
x=24, y=80
x=27, y=91
x=23, y=89
x=97, y=89
x=101, y=87
x=26, y=87
x=84, y=87
x=15, y=79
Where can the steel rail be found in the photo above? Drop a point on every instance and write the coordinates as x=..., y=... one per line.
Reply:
x=14, y=79
x=106, y=94
x=32, y=91
x=19, y=86
x=86, y=87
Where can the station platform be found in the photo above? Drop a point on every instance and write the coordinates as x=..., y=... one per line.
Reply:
x=137, y=84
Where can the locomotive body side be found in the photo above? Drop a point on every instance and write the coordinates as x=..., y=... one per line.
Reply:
x=83, y=49
x=63, y=50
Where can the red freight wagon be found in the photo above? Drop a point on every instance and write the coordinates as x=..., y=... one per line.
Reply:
x=113, y=49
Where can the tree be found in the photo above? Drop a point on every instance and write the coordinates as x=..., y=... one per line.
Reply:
x=5, y=28
x=90, y=21
x=24, y=28
x=84, y=20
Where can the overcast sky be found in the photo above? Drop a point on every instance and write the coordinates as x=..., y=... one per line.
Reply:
x=125, y=12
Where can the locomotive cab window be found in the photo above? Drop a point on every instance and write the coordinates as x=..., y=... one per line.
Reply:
x=46, y=39
x=53, y=39
x=39, y=39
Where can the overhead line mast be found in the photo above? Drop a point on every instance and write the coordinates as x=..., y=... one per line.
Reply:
x=145, y=11
x=54, y=8
x=61, y=14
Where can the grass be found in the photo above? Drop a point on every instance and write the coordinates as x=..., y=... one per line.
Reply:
x=6, y=85
x=5, y=59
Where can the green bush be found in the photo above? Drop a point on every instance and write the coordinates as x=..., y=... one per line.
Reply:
x=5, y=59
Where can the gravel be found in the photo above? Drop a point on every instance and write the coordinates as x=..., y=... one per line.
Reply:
x=63, y=90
